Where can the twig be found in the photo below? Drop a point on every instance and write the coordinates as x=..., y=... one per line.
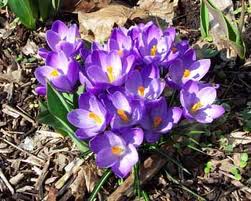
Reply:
x=6, y=182
x=20, y=113
x=20, y=149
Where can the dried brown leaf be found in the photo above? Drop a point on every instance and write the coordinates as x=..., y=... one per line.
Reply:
x=163, y=9
x=98, y=25
x=78, y=186
x=52, y=195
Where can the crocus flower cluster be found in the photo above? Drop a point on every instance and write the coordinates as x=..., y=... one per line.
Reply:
x=124, y=104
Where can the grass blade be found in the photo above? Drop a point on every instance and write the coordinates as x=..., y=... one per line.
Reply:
x=103, y=179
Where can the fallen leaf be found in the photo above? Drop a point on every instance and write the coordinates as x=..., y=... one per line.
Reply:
x=97, y=26
x=52, y=195
x=237, y=138
x=78, y=186
x=163, y=9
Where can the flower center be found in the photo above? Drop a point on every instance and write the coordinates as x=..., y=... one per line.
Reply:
x=141, y=90
x=110, y=74
x=196, y=106
x=153, y=50
x=120, y=52
x=54, y=73
x=95, y=117
x=122, y=115
x=186, y=73
x=174, y=50
x=117, y=150
x=157, y=121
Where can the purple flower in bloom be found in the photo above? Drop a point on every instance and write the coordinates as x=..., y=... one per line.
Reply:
x=183, y=70
x=144, y=87
x=127, y=111
x=60, y=71
x=120, y=41
x=90, y=118
x=60, y=37
x=197, y=102
x=106, y=69
x=117, y=151
x=159, y=119
x=152, y=45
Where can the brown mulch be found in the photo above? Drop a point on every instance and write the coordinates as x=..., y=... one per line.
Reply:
x=36, y=163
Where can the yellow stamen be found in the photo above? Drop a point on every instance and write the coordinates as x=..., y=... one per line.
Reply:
x=196, y=106
x=122, y=115
x=54, y=73
x=153, y=50
x=116, y=150
x=95, y=117
x=157, y=121
x=186, y=73
x=110, y=74
x=120, y=52
x=141, y=90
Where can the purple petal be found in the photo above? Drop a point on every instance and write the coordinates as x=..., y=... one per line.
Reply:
x=42, y=52
x=198, y=69
x=114, y=140
x=96, y=74
x=99, y=142
x=215, y=111
x=82, y=134
x=105, y=158
x=66, y=47
x=128, y=63
x=73, y=72
x=58, y=60
x=133, y=82
x=52, y=39
x=123, y=167
x=155, y=89
x=176, y=114
x=40, y=90
x=120, y=101
x=207, y=95
x=60, y=28
x=152, y=136
x=62, y=83
x=176, y=71
x=72, y=33
x=133, y=136
x=43, y=73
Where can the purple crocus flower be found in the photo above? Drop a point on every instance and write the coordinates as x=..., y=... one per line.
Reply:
x=90, y=118
x=152, y=45
x=159, y=119
x=197, y=102
x=105, y=69
x=60, y=37
x=144, y=87
x=117, y=151
x=120, y=41
x=183, y=70
x=60, y=71
x=127, y=111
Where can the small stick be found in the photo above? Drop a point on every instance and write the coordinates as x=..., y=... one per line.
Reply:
x=20, y=113
x=6, y=182
x=20, y=149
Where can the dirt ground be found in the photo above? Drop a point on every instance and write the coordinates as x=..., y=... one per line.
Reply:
x=37, y=163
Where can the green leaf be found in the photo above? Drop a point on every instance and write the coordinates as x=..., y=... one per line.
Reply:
x=97, y=187
x=244, y=157
x=3, y=3
x=26, y=11
x=45, y=9
x=204, y=20
x=56, y=4
x=58, y=108
x=243, y=164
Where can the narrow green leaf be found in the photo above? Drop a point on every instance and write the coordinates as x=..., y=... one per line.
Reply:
x=145, y=196
x=45, y=9
x=56, y=4
x=26, y=11
x=58, y=107
x=204, y=20
x=170, y=159
x=101, y=182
